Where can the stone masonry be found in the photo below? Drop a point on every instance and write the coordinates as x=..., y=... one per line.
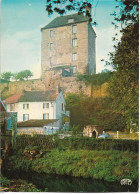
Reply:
x=61, y=48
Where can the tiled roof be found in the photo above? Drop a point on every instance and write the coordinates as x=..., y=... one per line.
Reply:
x=63, y=20
x=13, y=99
x=35, y=123
x=38, y=96
x=33, y=96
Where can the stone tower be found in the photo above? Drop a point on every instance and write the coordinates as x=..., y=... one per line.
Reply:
x=68, y=47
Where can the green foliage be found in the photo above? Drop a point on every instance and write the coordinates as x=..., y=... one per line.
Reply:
x=47, y=141
x=20, y=163
x=4, y=182
x=96, y=79
x=75, y=143
x=85, y=110
x=124, y=85
x=98, y=144
x=88, y=164
x=25, y=74
x=75, y=129
x=61, y=7
x=28, y=187
x=6, y=75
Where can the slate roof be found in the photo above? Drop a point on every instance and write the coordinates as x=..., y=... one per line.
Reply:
x=33, y=96
x=38, y=96
x=63, y=20
x=36, y=122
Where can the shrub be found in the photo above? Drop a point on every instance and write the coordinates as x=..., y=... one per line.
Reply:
x=49, y=142
x=4, y=182
x=99, y=144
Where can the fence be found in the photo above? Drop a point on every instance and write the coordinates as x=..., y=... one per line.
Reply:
x=44, y=141
x=124, y=135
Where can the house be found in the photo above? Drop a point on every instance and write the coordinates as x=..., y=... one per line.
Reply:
x=39, y=126
x=7, y=119
x=38, y=105
x=68, y=44
x=92, y=131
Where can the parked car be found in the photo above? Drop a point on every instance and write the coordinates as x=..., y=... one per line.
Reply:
x=104, y=136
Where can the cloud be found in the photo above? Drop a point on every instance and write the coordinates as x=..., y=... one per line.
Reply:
x=20, y=51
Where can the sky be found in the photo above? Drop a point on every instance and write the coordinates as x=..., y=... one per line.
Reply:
x=20, y=35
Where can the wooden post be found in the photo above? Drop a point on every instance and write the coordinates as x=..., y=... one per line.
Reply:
x=117, y=134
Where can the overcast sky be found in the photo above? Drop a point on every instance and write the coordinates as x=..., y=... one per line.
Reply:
x=21, y=21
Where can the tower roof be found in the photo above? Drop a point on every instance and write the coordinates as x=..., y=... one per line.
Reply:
x=64, y=20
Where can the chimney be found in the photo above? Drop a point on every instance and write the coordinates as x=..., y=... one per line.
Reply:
x=58, y=89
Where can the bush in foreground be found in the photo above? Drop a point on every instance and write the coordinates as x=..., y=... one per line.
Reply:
x=103, y=165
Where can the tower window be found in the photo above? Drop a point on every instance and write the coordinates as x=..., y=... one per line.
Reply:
x=51, y=33
x=74, y=42
x=74, y=69
x=74, y=56
x=74, y=29
x=51, y=60
x=51, y=46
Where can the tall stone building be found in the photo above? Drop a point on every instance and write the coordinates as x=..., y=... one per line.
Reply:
x=68, y=46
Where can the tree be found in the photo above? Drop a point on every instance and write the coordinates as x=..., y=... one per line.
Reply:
x=62, y=6
x=94, y=111
x=96, y=79
x=27, y=74
x=23, y=75
x=123, y=86
x=6, y=75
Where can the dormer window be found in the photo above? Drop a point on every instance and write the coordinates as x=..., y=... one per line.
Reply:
x=71, y=20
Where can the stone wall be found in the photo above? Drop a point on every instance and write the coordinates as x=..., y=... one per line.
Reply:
x=91, y=50
x=19, y=86
x=71, y=85
x=67, y=84
x=62, y=48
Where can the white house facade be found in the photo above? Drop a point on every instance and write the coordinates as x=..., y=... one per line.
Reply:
x=37, y=105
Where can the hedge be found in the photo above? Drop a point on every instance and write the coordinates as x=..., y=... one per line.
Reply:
x=77, y=143
x=99, y=144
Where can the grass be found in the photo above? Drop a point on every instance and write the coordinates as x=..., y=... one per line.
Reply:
x=18, y=185
x=103, y=165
